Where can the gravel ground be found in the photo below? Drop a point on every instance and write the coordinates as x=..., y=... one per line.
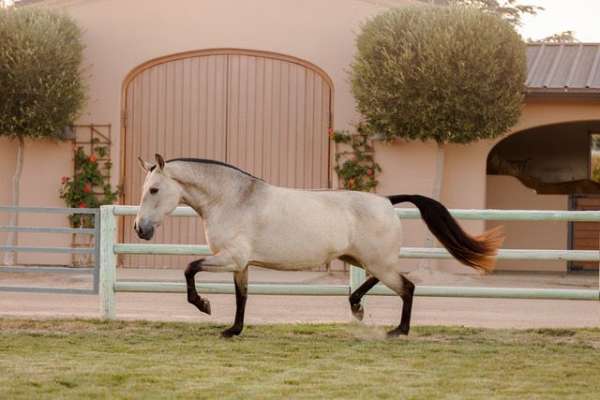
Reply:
x=490, y=313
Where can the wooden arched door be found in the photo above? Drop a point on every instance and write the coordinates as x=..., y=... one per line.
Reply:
x=266, y=113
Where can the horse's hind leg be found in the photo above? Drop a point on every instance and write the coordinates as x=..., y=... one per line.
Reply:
x=241, y=294
x=356, y=296
x=407, y=294
x=405, y=289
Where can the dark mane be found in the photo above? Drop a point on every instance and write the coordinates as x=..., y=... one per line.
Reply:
x=214, y=162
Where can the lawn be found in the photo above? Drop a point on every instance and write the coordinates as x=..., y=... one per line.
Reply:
x=93, y=359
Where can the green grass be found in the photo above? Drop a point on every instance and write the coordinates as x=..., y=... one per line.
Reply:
x=92, y=359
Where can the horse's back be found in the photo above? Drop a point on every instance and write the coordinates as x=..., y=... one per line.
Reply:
x=336, y=219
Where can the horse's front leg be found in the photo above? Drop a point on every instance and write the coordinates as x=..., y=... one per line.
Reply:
x=212, y=264
x=240, y=279
x=192, y=294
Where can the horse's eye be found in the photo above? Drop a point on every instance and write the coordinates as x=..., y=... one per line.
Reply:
x=153, y=190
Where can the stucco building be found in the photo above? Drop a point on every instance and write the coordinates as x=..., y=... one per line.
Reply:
x=258, y=84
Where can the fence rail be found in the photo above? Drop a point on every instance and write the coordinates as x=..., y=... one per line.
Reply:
x=95, y=212
x=109, y=250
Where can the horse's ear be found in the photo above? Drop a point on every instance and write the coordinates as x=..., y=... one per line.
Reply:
x=144, y=164
x=160, y=161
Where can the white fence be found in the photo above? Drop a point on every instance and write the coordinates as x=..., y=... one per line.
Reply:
x=109, y=249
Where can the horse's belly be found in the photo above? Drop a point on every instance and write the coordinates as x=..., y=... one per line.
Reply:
x=299, y=250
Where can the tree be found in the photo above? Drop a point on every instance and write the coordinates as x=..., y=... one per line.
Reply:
x=6, y=3
x=561, y=37
x=447, y=74
x=451, y=74
x=509, y=10
x=40, y=81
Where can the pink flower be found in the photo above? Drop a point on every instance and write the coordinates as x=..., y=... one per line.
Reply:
x=93, y=158
x=87, y=188
x=65, y=179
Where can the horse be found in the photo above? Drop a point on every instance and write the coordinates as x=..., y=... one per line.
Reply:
x=248, y=221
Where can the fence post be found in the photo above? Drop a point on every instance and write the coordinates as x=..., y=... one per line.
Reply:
x=357, y=277
x=96, y=284
x=108, y=262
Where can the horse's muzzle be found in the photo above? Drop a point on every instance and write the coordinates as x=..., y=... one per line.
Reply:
x=144, y=230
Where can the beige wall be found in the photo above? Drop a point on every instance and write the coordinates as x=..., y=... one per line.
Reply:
x=541, y=235
x=506, y=192
x=121, y=34
x=547, y=111
x=45, y=163
x=409, y=167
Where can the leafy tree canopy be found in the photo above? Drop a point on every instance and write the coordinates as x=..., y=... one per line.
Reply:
x=509, y=10
x=40, y=65
x=561, y=37
x=451, y=74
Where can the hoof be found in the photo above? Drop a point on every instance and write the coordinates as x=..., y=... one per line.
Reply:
x=358, y=311
x=205, y=308
x=231, y=332
x=397, y=332
x=202, y=304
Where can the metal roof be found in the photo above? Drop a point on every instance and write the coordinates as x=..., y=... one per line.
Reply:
x=568, y=68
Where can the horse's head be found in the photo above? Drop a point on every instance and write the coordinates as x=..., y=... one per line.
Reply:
x=160, y=195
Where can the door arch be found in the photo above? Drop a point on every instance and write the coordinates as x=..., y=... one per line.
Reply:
x=264, y=112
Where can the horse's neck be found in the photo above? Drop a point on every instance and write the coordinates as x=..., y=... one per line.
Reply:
x=209, y=189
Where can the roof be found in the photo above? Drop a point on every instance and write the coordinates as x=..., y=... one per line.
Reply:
x=567, y=68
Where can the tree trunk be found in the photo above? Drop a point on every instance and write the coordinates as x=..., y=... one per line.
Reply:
x=9, y=256
x=439, y=172
x=436, y=194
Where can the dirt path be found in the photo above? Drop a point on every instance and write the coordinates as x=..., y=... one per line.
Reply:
x=492, y=313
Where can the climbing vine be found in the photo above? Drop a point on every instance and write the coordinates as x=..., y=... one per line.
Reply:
x=356, y=167
x=89, y=186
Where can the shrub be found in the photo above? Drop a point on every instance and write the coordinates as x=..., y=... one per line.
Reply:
x=40, y=64
x=41, y=90
x=449, y=74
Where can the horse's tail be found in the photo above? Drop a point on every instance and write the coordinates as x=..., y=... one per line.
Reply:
x=477, y=252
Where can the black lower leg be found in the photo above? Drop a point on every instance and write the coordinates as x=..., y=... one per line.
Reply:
x=408, y=290
x=241, y=295
x=192, y=295
x=356, y=296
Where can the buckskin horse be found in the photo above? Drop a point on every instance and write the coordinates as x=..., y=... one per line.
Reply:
x=250, y=222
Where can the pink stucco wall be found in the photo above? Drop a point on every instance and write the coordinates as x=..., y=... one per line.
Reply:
x=409, y=167
x=45, y=162
x=506, y=192
x=120, y=35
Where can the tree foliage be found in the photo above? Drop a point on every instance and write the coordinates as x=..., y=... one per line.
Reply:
x=40, y=68
x=561, y=37
x=451, y=74
x=509, y=10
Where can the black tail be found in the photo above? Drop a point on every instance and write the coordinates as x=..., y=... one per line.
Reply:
x=478, y=252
